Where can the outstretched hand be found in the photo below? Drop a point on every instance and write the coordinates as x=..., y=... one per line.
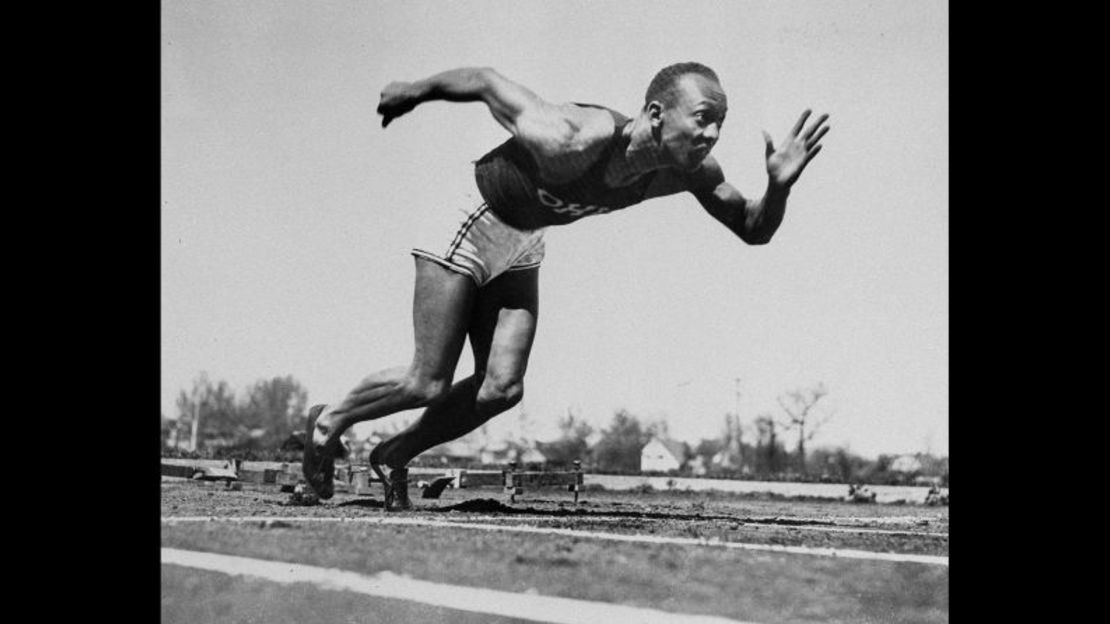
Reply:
x=396, y=101
x=786, y=162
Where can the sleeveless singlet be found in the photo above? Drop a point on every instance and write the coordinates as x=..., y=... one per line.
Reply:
x=509, y=182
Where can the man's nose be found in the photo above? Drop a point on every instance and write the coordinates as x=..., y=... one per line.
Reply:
x=712, y=132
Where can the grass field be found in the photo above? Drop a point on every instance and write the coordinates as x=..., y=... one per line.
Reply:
x=688, y=554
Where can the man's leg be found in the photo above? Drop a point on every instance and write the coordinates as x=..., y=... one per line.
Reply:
x=442, y=304
x=501, y=334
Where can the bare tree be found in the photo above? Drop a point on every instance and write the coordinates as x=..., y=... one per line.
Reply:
x=767, y=445
x=799, y=405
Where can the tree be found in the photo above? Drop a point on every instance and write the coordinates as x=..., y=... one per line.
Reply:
x=168, y=428
x=708, y=447
x=880, y=471
x=571, y=444
x=799, y=405
x=838, y=463
x=214, y=406
x=768, y=449
x=276, y=407
x=270, y=411
x=621, y=444
x=659, y=428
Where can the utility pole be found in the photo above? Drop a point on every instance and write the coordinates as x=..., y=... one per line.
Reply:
x=196, y=420
x=738, y=397
x=739, y=447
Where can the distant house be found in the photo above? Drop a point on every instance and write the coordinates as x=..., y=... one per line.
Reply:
x=662, y=455
x=906, y=464
x=927, y=469
x=723, y=459
x=472, y=451
x=503, y=452
x=456, y=451
x=497, y=453
x=532, y=456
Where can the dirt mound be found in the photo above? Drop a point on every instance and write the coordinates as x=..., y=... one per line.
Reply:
x=481, y=505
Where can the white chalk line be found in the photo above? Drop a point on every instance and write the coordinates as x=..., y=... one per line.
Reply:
x=746, y=524
x=886, y=519
x=618, y=537
x=750, y=523
x=473, y=599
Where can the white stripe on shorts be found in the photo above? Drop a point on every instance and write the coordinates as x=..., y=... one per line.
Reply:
x=483, y=246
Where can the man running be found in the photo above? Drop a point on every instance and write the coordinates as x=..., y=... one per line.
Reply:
x=479, y=279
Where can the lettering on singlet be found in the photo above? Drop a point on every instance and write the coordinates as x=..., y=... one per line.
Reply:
x=572, y=209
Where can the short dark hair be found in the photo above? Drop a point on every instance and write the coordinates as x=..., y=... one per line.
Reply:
x=662, y=86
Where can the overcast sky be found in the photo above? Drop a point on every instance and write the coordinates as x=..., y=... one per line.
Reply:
x=288, y=213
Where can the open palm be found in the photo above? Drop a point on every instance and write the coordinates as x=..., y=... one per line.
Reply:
x=786, y=162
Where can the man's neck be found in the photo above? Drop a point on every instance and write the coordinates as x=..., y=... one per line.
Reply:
x=642, y=154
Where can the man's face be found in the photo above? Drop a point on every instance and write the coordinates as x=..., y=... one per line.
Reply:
x=691, y=123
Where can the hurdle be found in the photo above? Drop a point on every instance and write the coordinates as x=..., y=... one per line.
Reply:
x=510, y=479
x=515, y=480
x=227, y=472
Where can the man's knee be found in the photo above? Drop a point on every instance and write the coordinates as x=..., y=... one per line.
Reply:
x=420, y=392
x=499, y=394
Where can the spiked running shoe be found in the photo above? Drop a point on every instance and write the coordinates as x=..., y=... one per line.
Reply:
x=399, y=487
x=396, y=484
x=318, y=464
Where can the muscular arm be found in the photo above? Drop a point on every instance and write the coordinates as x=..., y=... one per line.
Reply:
x=754, y=221
x=547, y=130
x=506, y=99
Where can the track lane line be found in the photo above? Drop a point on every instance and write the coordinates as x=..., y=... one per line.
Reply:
x=846, y=553
x=534, y=607
x=748, y=523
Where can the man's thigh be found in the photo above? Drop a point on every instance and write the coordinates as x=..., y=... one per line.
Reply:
x=443, y=302
x=503, y=325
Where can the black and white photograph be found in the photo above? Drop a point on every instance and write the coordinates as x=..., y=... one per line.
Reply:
x=491, y=311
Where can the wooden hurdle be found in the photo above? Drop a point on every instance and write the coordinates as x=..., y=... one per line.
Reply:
x=515, y=481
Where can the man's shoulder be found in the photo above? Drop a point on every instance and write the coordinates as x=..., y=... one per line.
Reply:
x=568, y=137
x=596, y=111
x=588, y=123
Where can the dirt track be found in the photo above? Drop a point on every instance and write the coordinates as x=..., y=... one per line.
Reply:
x=827, y=524
x=692, y=570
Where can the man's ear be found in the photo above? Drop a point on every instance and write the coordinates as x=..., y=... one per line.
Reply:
x=654, y=111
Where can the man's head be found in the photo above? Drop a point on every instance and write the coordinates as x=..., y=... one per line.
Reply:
x=686, y=106
x=662, y=87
